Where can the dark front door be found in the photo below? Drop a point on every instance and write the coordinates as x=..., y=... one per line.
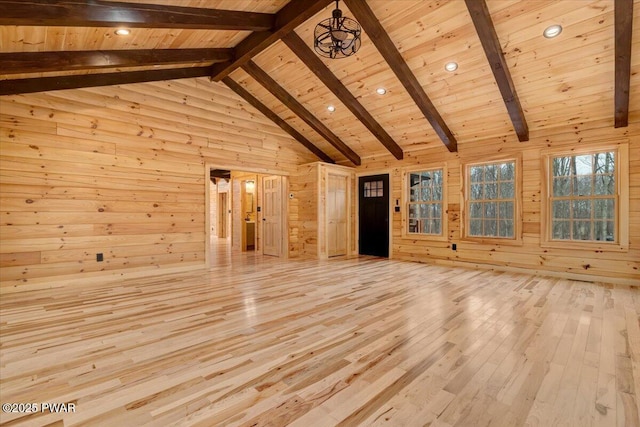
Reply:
x=374, y=215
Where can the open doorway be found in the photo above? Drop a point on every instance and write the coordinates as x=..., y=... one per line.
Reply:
x=246, y=215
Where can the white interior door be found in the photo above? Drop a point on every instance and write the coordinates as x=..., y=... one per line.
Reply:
x=337, y=215
x=272, y=215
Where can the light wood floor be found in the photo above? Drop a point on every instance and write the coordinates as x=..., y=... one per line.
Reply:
x=262, y=341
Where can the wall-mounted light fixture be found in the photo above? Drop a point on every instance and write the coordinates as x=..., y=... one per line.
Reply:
x=249, y=186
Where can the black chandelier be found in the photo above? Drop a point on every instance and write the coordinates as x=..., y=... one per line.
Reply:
x=337, y=37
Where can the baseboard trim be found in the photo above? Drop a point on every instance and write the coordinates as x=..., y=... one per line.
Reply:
x=94, y=278
x=538, y=272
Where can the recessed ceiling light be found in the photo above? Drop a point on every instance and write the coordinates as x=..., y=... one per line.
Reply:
x=381, y=91
x=552, y=31
x=123, y=31
x=331, y=108
x=451, y=66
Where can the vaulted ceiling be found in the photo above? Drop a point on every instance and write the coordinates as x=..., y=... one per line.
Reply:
x=510, y=79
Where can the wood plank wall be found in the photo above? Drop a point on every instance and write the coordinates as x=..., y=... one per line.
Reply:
x=121, y=171
x=590, y=265
x=303, y=212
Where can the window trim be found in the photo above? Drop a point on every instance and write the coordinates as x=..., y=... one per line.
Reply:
x=621, y=148
x=404, y=200
x=516, y=240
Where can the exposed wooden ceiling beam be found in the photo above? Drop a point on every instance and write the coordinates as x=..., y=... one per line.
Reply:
x=315, y=64
x=390, y=53
x=35, y=62
x=80, y=13
x=288, y=18
x=278, y=91
x=43, y=84
x=244, y=94
x=623, y=29
x=489, y=38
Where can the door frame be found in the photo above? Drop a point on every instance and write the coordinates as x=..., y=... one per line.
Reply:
x=207, y=193
x=222, y=227
x=392, y=200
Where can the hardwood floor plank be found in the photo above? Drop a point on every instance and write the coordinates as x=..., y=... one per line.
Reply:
x=259, y=341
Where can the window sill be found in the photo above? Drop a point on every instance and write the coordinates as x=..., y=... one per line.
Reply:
x=493, y=241
x=594, y=246
x=432, y=237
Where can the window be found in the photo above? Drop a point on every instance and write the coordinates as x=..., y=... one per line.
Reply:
x=373, y=189
x=425, y=202
x=583, y=197
x=586, y=199
x=491, y=199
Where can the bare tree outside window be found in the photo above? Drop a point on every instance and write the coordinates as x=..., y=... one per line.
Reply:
x=492, y=200
x=583, y=197
x=425, y=202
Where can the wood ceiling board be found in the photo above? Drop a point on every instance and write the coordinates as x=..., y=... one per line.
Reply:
x=263, y=6
x=431, y=46
x=78, y=13
x=526, y=20
x=472, y=84
x=413, y=23
x=362, y=74
x=590, y=38
x=573, y=90
x=44, y=39
x=287, y=19
x=563, y=74
x=292, y=103
x=483, y=22
x=244, y=94
x=264, y=96
x=315, y=64
x=536, y=72
x=292, y=74
x=393, y=57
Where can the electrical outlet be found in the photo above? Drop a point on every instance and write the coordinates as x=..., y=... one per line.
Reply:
x=99, y=257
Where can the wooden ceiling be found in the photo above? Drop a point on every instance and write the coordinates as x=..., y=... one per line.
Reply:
x=510, y=79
